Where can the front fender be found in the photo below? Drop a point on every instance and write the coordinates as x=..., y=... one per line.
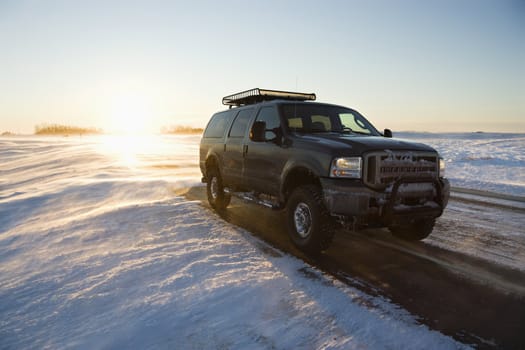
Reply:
x=311, y=167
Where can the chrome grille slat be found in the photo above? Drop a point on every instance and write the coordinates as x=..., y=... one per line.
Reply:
x=385, y=167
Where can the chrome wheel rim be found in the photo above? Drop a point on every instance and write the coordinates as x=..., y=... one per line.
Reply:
x=302, y=220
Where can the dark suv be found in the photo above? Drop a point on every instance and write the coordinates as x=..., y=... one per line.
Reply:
x=324, y=164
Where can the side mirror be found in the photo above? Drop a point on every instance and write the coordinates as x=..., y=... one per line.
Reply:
x=387, y=133
x=258, y=132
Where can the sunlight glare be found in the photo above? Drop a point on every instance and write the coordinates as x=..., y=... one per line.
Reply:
x=131, y=150
x=131, y=113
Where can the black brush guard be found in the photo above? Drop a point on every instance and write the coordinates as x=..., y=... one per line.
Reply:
x=391, y=215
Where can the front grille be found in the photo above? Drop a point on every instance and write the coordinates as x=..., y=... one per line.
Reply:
x=383, y=168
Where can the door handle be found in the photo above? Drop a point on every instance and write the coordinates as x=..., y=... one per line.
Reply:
x=244, y=149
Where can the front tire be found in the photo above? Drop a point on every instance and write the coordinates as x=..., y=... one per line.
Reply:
x=217, y=198
x=414, y=231
x=310, y=226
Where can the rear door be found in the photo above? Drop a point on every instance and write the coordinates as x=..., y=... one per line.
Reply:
x=235, y=148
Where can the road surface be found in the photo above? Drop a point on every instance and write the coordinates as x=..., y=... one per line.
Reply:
x=466, y=280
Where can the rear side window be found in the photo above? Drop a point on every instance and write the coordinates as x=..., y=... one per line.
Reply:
x=241, y=123
x=217, y=125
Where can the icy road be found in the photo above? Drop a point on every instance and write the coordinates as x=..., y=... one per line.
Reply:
x=467, y=274
x=107, y=243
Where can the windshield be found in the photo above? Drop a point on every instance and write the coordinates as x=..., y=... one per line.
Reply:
x=315, y=118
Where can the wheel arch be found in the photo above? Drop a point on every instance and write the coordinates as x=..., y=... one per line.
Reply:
x=295, y=176
x=212, y=161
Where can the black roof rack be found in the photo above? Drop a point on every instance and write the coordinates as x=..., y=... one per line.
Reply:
x=256, y=95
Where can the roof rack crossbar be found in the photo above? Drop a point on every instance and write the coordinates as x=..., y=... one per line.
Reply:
x=258, y=95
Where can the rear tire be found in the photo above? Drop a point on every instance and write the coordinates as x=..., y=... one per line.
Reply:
x=217, y=198
x=415, y=231
x=310, y=226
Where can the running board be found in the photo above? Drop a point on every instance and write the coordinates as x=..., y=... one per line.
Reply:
x=252, y=197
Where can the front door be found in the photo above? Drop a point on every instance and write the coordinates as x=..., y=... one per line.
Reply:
x=264, y=161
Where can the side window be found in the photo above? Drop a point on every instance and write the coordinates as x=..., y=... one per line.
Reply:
x=241, y=123
x=295, y=123
x=321, y=123
x=270, y=116
x=217, y=125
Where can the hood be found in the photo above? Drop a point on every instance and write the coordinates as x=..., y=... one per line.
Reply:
x=357, y=144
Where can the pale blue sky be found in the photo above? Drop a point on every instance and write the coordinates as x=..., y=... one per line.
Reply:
x=450, y=65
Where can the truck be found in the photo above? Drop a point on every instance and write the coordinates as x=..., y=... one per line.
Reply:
x=324, y=166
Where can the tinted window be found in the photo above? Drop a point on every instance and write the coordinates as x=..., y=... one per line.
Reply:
x=218, y=124
x=270, y=116
x=241, y=123
x=320, y=123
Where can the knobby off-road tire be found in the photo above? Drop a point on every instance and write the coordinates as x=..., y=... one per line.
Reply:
x=217, y=198
x=415, y=231
x=310, y=226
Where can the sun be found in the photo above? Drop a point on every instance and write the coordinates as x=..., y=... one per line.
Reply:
x=130, y=113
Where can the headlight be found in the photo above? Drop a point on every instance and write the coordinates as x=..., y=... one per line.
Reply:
x=441, y=167
x=348, y=167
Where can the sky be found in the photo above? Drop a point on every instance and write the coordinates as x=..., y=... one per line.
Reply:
x=132, y=66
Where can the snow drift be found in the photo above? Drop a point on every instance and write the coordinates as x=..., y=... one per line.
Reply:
x=98, y=249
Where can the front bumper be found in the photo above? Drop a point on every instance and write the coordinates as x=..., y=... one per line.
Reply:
x=407, y=198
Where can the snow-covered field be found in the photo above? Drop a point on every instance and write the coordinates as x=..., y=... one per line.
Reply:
x=481, y=161
x=99, y=249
